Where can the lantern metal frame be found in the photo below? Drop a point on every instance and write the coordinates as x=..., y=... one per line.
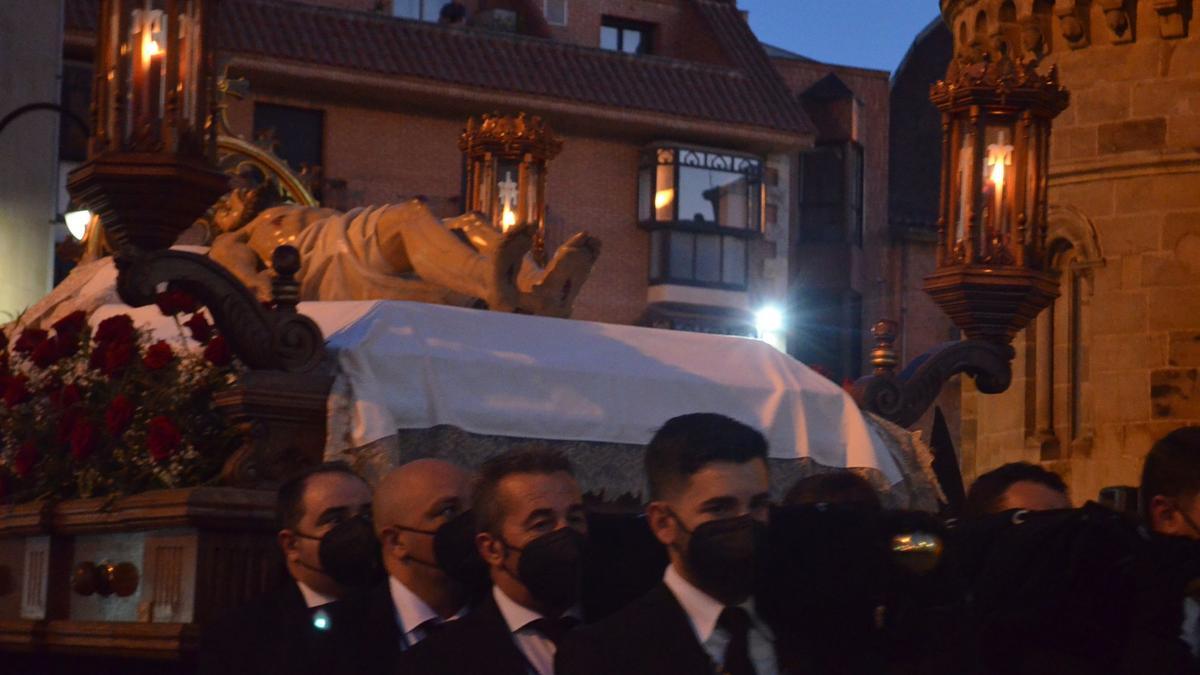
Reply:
x=525, y=142
x=153, y=147
x=992, y=273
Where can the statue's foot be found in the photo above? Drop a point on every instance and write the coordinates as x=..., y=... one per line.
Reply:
x=506, y=263
x=554, y=294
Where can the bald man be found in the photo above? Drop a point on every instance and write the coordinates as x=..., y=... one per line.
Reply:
x=410, y=504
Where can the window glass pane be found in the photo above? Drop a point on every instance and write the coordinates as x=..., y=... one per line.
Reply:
x=682, y=244
x=431, y=9
x=658, y=241
x=645, y=194
x=610, y=38
x=712, y=197
x=408, y=9
x=708, y=258
x=298, y=131
x=733, y=267
x=631, y=41
x=556, y=12
x=664, y=194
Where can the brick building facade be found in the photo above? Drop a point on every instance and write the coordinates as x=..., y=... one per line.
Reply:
x=378, y=101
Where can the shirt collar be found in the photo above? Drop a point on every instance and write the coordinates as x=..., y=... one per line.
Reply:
x=517, y=616
x=412, y=610
x=313, y=598
x=702, y=609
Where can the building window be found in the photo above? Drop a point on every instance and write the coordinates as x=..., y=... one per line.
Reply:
x=831, y=194
x=621, y=35
x=297, y=133
x=556, y=12
x=1059, y=371
x=422, y=10
x=701, y=207
x=827, y=332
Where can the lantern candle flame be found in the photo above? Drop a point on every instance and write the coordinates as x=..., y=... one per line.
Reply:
x=663, y=198
x=507, y=218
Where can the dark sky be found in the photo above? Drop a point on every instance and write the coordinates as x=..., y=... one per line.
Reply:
x=864, y=33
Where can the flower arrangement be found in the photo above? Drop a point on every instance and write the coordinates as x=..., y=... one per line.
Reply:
x=113, y=410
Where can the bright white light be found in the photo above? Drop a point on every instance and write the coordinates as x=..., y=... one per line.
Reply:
x=321, y=620
x=77, y=223
x=769, y=320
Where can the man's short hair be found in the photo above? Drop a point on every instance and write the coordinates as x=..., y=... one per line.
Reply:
x=687, y=443
x=987, y=492
x=535, y=459
x=1172, y=467
x=838, y=487
x=289, y=499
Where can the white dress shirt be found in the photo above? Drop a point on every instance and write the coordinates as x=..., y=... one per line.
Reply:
x=411, y=612
x=537, y=648
x=313, y=598
x=703, y=611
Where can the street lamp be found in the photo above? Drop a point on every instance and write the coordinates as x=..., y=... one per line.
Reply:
x=992, y=273
x=506, y=159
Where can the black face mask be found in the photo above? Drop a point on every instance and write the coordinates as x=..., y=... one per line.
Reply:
x=350, y=553
x=454, y=551
x=724, y=555
x=551, y=567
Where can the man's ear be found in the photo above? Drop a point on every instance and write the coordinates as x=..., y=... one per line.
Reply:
x=491, y=549
x=392, y=543
x=288, y=543
x=1164, y=517
x=662, y=523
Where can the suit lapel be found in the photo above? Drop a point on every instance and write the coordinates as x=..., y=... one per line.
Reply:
x=498, y=651
x=677, y=632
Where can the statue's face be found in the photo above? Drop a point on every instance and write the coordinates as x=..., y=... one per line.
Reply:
x=232, y=211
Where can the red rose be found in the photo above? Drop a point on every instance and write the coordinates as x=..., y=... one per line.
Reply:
x=217, y=351
x=162, y=438
x=117, y=328
x=174, y=302
x=24, y=459
x=119, y=415
x=201, y=329
x=84, y=439
x=96, y=360
x=116, y=358
x=30, y=339
x=66, y=397
x=158, y=355
x=15, y=391
x=46, y=353
x=72, y=324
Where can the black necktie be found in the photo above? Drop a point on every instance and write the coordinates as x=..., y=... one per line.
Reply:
x=736, y=622
x=554, y=629
x=430, y=626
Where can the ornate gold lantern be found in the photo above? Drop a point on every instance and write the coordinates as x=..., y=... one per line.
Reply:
x=992, y=274
x=506, y=159
x=151, y=168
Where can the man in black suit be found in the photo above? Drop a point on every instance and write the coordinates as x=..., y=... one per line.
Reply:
x=287, y=629
x=375, y=626
x=707, y=479
x=531, y=533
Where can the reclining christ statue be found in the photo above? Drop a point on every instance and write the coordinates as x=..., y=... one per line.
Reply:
x=399, y=252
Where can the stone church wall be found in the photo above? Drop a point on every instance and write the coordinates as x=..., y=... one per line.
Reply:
x=1116, y=363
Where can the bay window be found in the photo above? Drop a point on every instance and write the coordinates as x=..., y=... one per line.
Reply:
x=701, y=207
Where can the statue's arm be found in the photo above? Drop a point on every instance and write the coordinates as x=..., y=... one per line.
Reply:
x=233, y=251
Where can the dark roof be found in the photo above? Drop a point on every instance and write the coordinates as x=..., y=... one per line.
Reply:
x=748, y=92
x=785, y=54
x=830, y=87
